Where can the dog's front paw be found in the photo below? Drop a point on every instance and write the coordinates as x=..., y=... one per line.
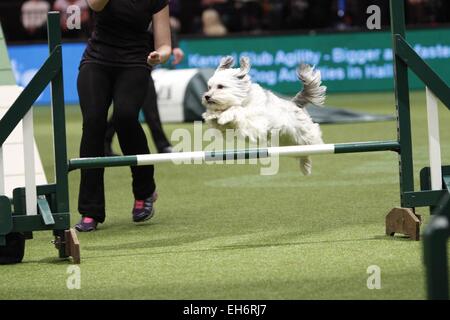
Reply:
x=226, y=117
x=209, y=116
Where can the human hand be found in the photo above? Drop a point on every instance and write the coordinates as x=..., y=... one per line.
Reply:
x=154, y=58
x=178, y=56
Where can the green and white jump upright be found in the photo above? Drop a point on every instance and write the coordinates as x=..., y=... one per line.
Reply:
x=53, y=199
x=434, y=180
x=42, y=207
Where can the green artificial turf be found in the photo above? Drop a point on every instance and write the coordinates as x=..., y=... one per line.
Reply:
x=226, y=232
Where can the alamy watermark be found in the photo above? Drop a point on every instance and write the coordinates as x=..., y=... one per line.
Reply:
x=374, y=279
x=73, y=281
x=73, y=21
x=374, y=20
x=217, y=140
x=74, y=17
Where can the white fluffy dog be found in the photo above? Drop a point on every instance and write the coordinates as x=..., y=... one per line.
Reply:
x=234, y=102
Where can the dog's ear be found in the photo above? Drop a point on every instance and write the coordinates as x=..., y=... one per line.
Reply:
x=226, y=63
x=245, y=67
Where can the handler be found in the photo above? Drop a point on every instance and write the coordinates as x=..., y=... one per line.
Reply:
x=116, y=68
x=150, y=111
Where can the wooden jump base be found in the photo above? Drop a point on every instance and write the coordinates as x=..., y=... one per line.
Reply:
x=17, y=222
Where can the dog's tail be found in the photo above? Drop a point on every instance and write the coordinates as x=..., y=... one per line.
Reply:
x=312, y=91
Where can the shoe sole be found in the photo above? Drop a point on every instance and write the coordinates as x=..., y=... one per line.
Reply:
x=84, y=230
x=152, y=213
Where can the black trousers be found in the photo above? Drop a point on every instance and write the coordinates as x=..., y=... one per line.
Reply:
x=151, y=115
x=126, y=87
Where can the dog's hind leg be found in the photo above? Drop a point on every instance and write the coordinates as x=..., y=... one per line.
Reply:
x=306, y=165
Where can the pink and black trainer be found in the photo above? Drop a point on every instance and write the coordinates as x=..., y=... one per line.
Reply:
x=144, y=209
x=86, y=224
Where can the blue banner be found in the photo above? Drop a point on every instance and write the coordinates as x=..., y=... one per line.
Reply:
x=27, y=59
x=349, y=62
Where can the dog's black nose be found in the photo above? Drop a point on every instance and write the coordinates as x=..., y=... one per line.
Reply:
x=207, y=98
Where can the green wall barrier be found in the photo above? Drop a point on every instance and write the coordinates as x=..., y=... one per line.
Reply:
x=349, y=62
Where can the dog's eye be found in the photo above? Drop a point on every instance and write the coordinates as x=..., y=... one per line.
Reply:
x=220, y=86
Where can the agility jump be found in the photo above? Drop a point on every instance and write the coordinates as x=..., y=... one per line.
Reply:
x=17, y=221
x=245, y=154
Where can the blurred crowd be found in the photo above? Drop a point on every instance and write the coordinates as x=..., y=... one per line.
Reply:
x=26, y=20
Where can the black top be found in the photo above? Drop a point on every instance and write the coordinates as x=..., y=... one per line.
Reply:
x=120, y=37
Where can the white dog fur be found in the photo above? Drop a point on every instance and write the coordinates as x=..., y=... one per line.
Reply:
x=234, y=102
